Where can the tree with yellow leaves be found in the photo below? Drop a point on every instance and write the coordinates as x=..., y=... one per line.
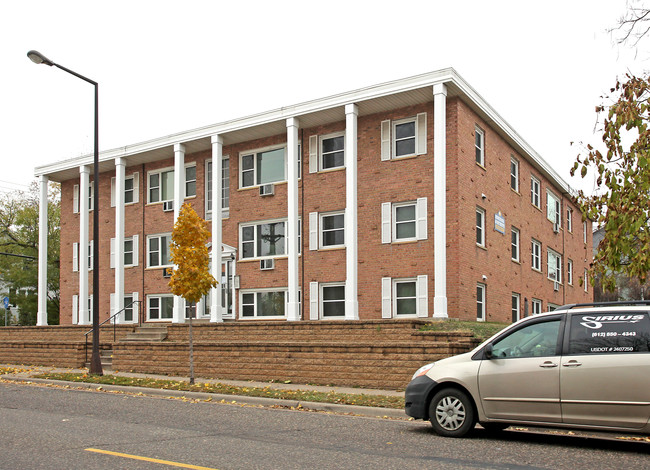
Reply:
x=191, y=278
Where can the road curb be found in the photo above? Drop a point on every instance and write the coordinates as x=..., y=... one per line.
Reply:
x=368, y=411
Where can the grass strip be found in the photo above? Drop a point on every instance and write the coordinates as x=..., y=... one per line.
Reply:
x=268, y=392
x=480, y=330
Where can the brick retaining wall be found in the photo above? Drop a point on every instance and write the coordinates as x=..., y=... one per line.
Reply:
x=374, y=353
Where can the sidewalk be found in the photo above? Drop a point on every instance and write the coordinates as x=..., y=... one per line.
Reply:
x=28, y=372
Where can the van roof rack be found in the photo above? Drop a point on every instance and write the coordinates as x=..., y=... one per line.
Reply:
x=618, y=303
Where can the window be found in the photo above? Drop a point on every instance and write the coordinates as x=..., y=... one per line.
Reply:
x=404, y=221
x=75, y=198
x=569, y=271
x=480, y=227
x=516, y=311
x=405, y=298
x=158, y=250
x=264, y=240
x=536, y=255
x=130, y=252
x=569, y=217
x=480, y=302
x=90, y=255
x=332, y=300
x=225, y=186
x=479, y=144
x=131, y=189
x=536, y=340
x=537, y=306
x=332, y=230
x=128, y=308
x=161, y=186
x=584, y=231
x=262, y=167
x=552, y=307
x=332, y=153
x=514, y=174
x=190, y=181
x=553, y=208
x=586, y=279
x=262, y=304
x=534, y=191
x=404, y=135
x=554, y=266
x=514, y=244
x=613, y=333
x=160, y=307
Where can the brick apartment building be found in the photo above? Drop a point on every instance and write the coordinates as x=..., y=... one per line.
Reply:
x=412, y=198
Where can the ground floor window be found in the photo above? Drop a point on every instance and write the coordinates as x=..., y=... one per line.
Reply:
x=405, y=300
x=480, y=302
x=516, y=313
x=160, y=307
x=537, y=306
x=263, y=304
x=333, y=300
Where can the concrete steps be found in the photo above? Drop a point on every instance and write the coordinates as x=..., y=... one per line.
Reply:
x=147, y=333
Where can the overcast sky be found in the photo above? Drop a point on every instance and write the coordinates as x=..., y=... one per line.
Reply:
x=169, y=66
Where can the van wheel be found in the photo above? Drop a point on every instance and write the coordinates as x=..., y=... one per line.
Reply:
x=451, y=413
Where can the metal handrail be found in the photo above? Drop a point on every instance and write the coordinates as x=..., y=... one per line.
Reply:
x=114, y=323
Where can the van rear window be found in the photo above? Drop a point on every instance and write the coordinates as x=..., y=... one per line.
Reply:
x=609, y=333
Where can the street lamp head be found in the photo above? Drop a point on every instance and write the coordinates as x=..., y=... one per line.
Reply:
x=39, y=58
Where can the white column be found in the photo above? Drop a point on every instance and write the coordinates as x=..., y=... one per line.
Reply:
x=440, y=200
x=41, y=316
x=351, y=248
x=120, y=166
x=216, y=312
x=84, y=183
x=293, y=312
x=179, y=197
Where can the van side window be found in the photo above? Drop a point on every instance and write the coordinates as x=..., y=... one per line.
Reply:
x=536, y=340
x=609, y=333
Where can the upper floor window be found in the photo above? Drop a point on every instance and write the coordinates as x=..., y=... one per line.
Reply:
x=158, y=250
x=161, y=186
x=332, y=230
x=190, y=181
x=404, y=137
x=225, y=186
x=480, y=226
x=479, y=144
x=554, y=266
x=569, y=219
x=514, y=174
x=262, y=167
x=131, y=189
x=535, y=191
x=584, y=231
x=75, y=197
x=332, y=154
x=514, y=244
x=130, y=252
x=264, y=239
x=404, y=221
x=536, y=255
x=569, y=271
x=553, y=208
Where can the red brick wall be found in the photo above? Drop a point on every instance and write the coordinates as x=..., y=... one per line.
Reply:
x=389, y=181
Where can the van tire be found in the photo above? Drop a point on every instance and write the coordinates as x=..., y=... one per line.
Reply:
x=451, y=413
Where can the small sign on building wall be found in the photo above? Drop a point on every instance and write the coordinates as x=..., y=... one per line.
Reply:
x=499, y=223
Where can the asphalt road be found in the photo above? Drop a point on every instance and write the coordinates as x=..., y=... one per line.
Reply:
x=53, y=428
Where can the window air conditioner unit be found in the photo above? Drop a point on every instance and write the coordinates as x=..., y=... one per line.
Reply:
x=556, y=286
x=556, y=227
x=267, y=264
x=167, y=272
x=267, y=190
x=168, y=206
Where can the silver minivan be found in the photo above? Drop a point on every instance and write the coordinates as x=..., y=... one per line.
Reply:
x=584, y=366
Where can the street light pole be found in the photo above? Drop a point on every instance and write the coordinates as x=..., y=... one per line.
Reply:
x=95, y=361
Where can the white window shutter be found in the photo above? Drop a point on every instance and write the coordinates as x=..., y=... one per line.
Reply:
x=136, y=187
x=112, y=253
x=75, y=309
x=386, y=297
x=421, y=134
x=313, y=301
x=75, y=199
x=113, y=191
x=135, y=250
x=136, y=314
x=423, y=296
x=313, y=154
x=386, y=232
x=421, y=218
x=91, y=258
x=112, y=300
x=313, y=230
x=75, y=257
x=385, y=140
